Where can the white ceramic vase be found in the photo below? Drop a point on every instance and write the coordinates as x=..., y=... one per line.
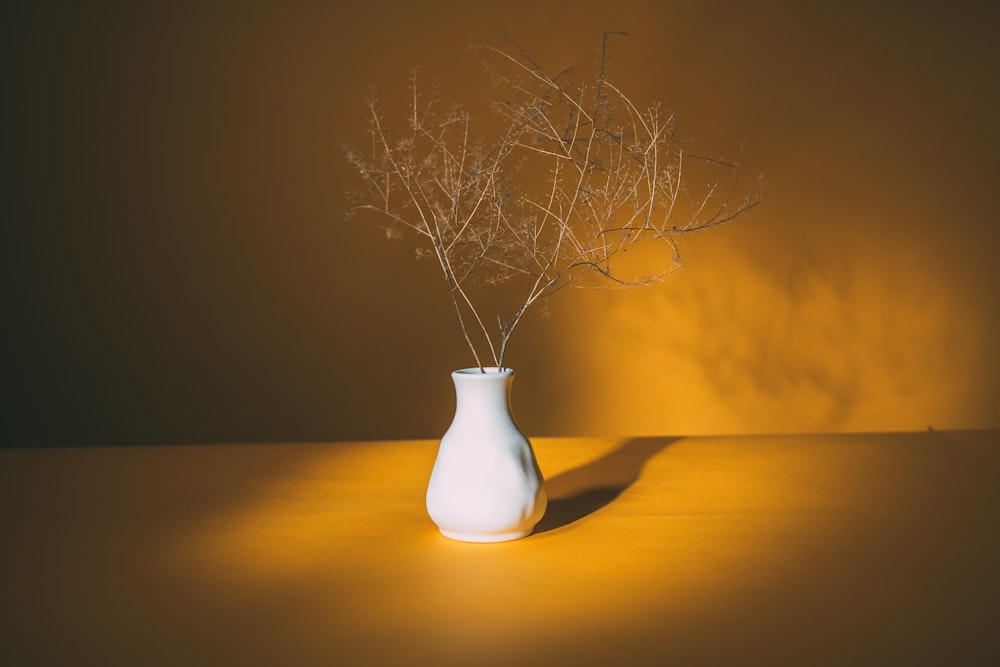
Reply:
x=485, y=485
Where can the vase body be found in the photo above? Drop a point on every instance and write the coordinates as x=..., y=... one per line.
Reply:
x=485, y=485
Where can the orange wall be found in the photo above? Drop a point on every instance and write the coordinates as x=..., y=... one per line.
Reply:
x=176, y=272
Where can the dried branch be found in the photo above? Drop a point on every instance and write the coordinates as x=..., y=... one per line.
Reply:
x=612, y=175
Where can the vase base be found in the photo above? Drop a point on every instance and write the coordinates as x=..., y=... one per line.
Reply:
x=484, y=537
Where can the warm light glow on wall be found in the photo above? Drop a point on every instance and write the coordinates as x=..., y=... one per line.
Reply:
x=178, y=272
x=737, y=342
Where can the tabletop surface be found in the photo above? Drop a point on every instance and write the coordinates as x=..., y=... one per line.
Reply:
x=878, y=549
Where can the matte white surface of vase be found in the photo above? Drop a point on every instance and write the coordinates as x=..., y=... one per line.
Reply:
x=485, y=485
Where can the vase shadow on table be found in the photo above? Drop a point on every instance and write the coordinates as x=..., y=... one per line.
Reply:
x=577, y=493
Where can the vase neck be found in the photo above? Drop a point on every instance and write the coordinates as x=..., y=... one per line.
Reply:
x=482, y=396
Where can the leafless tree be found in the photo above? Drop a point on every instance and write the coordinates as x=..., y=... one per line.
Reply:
x=577, y=175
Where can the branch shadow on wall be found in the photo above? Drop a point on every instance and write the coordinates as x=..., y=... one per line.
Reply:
x=580, y=492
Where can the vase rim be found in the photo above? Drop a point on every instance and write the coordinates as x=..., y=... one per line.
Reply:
x=485, y=371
